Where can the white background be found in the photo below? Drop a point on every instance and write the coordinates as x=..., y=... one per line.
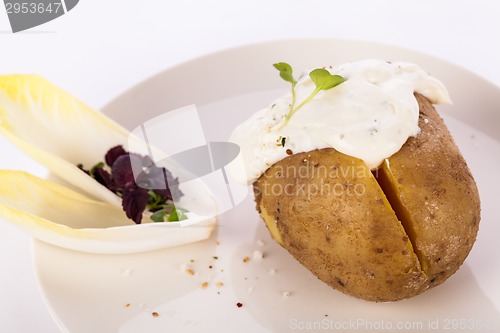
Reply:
x=101, y=48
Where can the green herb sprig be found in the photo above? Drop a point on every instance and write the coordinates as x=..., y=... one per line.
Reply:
x=164, y=210
x=321, y=78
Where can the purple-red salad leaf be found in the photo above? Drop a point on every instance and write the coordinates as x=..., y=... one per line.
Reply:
x=134, y=202
x=123, y=174
x=113, y=154
x=149, y=189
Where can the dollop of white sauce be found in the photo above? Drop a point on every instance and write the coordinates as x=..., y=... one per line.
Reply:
x=369, y=116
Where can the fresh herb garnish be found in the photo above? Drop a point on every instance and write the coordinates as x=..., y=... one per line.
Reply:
x=322, y=79
x=143, y=192
x=286, y=73
x=168, y=212
x=177, y=215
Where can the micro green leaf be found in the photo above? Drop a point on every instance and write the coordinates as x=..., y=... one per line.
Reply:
x=286, y=72
x=155, y=201
x=177, y=215
x=324, y=80
x=159, y=216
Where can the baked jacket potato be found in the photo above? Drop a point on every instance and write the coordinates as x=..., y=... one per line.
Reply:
x=381, y=235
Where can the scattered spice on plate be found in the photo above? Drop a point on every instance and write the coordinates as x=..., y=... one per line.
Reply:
x=155, y=314
x=246, y=259
x=239, y=304
x=187, y=269
x=127, y=305
x=219, y=284
x=204, y=285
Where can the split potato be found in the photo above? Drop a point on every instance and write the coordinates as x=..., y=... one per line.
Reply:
x=380, y=235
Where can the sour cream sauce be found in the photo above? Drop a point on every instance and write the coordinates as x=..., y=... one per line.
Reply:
x=369, y=116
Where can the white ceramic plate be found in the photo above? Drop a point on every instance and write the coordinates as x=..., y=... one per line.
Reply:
x=121, y=293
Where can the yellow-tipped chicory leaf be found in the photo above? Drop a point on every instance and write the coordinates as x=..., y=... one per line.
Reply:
x=63, y=217
x=57, y=130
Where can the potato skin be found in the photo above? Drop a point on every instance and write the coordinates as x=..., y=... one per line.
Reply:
x=438, y=192
x=328, y=210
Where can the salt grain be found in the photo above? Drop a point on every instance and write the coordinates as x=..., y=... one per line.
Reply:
x=257, y=255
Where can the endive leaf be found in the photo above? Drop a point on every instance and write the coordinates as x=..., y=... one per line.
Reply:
x=65, y=170
x=52, y=202
x=44, y=115
x=61, y=132
x=63, y=217
x=57, y=130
